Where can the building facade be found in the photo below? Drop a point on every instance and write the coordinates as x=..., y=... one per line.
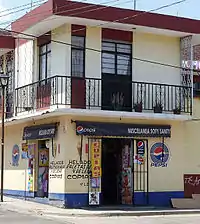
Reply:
x=100, y=109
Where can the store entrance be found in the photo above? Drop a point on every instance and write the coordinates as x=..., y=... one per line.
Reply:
x=114, y=176
x=43, y=169
x=111, y=154
x=124, y=171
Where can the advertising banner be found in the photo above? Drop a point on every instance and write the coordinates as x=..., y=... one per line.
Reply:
x=96, y=158
x=126, y=130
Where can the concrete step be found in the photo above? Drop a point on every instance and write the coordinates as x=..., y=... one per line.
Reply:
x=185, y=203
x=196, y=197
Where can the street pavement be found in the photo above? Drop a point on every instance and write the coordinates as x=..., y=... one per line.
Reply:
x=179, y=219
x=18, y=218
x=15, y=211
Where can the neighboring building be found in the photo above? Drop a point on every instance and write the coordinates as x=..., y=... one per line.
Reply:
x=100, y=88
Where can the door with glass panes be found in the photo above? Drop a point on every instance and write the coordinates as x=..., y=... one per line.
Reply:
x=116, y=76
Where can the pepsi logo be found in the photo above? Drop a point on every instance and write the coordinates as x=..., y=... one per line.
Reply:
x=140, y=144
x=79, y=129
x=159, y=154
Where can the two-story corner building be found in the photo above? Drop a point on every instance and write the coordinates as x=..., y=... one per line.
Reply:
x=102, y=109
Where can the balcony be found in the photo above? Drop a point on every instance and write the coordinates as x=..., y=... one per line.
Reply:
x=102, y=94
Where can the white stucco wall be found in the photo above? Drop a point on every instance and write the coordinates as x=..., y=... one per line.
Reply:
x=183, y=148
x=16, y=177
x=156, y=48
x=93, y=58
x=93, y=63
x=24, y=62
x=161, y=179
x=61, y=62
x=61, y=53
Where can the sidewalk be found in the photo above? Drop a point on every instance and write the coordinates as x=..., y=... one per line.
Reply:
x=33, y=208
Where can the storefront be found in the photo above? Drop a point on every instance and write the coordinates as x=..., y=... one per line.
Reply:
x=98, y=162
x=38, y=141
x=119, y=156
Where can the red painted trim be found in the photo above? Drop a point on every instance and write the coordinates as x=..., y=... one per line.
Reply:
x=43, y=97
x=196, y=78
x=108, y=14
x=78, y=30
x=19, y=42
x=78, y=97
x=7, y=42
x=111, y=14
x=35, y=16
x=119, y=35
x=44, y=39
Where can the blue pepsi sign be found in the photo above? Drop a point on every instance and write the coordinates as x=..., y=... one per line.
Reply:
x=159, y=154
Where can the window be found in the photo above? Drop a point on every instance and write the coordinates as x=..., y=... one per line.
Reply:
x=116, y=58
x=78, y=56
x=196, y=85
x=45, y=61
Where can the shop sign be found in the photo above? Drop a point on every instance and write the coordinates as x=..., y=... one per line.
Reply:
x=126, y=130
x=94, y=198
x=140, y=147
x=30, y=175
x=189, y=64
x=15, y=155
x=95, y=182
x=191, y=185
x=159, y=154
x=39, y=132
x=24, y=154
x=139, y=159
x=96, y=158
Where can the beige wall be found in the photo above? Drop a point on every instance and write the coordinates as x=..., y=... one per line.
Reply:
x=78, y=185
x=93, y=63
x=183, y=157
x=156, y=48
x=93, y=58
x=171, y=177
x=24, y=62
x=149, y=47
x=16, y=177
x=160, y=179
x=61, y=53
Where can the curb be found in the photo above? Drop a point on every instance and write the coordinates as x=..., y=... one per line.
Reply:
x=105, y=214
x=136, y=214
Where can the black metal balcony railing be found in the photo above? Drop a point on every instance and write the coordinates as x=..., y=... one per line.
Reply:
x=93, y=93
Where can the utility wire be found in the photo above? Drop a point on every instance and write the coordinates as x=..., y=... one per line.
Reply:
x=90, y=10
x=117, y=20
x=19, y=10
x=96, y=50
x=36, y=14
x=97, y=7
x=139, y=14
x=68, y=10
x=100, y=7
x=30, y=5
x=100, y=51
x=21, y=6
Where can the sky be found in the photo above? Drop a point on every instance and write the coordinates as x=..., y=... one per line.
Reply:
x=189, y=9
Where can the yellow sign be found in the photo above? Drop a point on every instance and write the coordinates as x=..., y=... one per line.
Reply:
x=96, y=158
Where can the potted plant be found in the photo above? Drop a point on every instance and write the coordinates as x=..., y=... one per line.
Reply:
x=177, y=110
x=138, y=107
x=158, y=107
